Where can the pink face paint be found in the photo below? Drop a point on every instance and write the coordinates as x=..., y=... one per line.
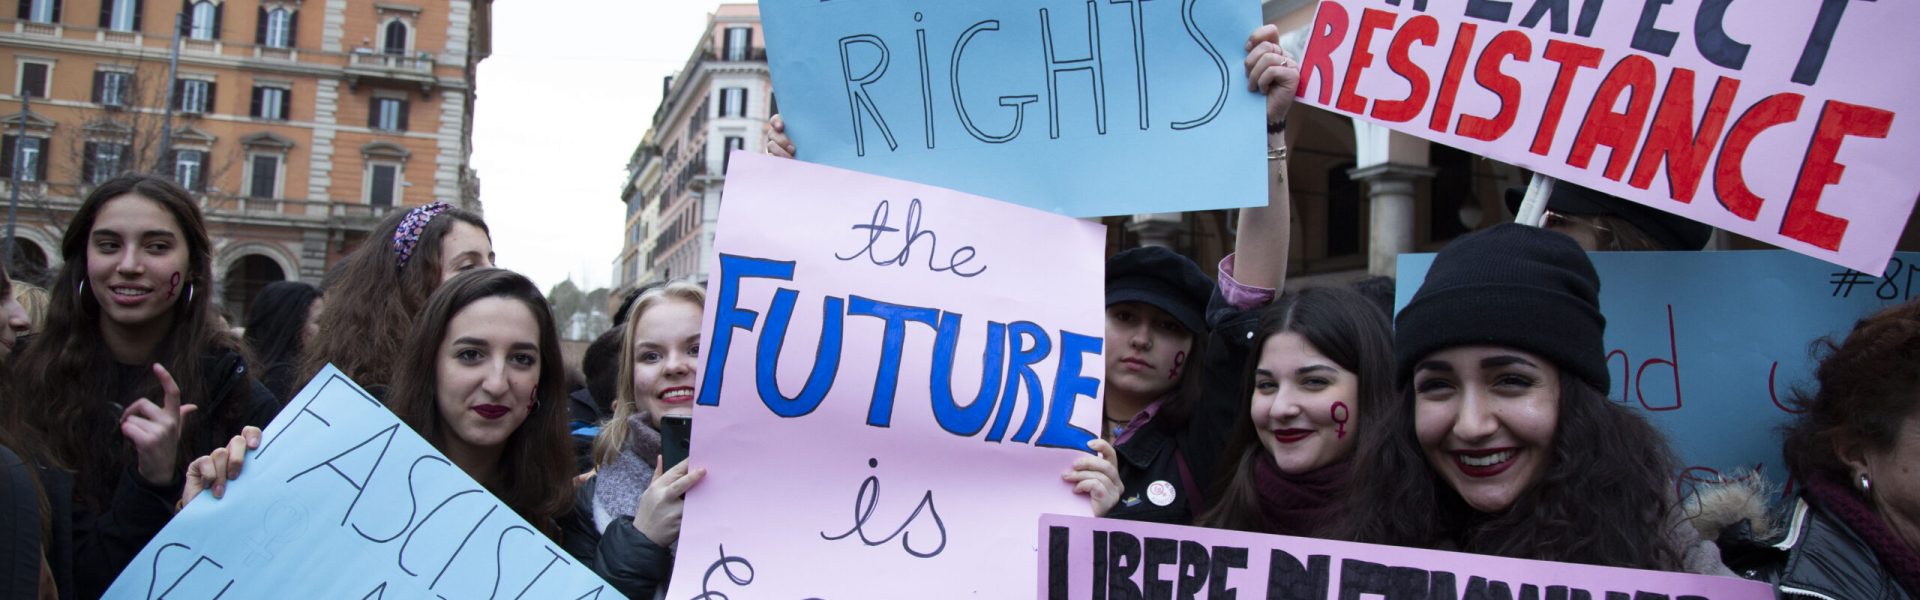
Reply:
x=1179, y=360
x=1340, y=415
x=173, y=285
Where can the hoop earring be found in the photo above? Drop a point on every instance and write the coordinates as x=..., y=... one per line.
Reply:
x=80, y=289
x=189, y=293
x=1866, y=486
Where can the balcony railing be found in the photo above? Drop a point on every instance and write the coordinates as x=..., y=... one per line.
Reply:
x=219, y=205
x=391, y=68
x=394, y=62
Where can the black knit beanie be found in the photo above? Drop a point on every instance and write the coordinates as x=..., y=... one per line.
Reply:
x=1511, y=285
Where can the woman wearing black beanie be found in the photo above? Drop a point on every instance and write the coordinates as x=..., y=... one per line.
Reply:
x=1504, y=442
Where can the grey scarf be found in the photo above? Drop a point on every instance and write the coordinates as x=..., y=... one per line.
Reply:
x=617, y=491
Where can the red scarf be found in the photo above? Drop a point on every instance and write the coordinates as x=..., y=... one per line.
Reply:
x=1901, y=561
x=1299, y=504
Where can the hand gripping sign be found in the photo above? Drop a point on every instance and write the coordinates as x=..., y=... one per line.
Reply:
x=896, y=376
x=1778, y=121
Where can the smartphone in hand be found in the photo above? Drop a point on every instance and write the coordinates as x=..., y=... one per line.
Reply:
x=675, y=433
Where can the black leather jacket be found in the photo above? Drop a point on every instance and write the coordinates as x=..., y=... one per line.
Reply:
x=1819, y=559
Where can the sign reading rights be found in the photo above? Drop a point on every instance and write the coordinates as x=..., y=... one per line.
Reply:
x=896, y=377
x=1077, y=107
x=1779, y=121
x=1688, y=344
x=1101, y=559
x=342, y=500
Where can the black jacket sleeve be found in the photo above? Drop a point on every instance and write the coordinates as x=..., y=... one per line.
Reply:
x=20, y=522
x=620, y=554
x=105, y=541
x=1229, y=345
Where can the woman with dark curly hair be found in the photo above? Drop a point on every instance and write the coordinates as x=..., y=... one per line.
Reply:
x=1855, y=449
x=373, y=295
x=1504, y=442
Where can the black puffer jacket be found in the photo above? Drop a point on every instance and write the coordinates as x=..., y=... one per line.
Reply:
x=620, y=554
x=1820, y=558
x=88, y=557
x=1168, y=469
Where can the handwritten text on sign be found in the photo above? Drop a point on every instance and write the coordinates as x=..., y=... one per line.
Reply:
x=896, y=378
x=1775, y=120
x=1084, y=557
x=1712, y=344
x=1077, y=107
x=342, y=500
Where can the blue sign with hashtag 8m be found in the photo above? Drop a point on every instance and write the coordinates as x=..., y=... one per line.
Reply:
x=1712, y=345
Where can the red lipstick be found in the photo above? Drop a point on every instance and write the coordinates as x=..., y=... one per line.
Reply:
x=492, y=411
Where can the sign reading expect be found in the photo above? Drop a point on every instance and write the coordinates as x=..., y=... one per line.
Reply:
x=1081, y=108
x=342, y=500
x=896, y=378
x=1779, y=121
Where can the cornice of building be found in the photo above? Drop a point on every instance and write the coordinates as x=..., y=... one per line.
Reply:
x=188, y=59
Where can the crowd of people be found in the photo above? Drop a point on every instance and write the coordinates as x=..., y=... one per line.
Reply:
x=1475, y=420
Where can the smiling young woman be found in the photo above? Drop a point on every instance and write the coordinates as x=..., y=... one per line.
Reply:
x=131, y=348
x=1503, y=441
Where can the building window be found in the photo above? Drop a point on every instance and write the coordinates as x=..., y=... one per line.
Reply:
x=194, y=96
x=738, y=44
x=276, y=28
x=120, y=15
x=263, y=176
x=102, y=161
x=189, y=169
x=733, y=143
x=33, y=79
x=383, y=184
x=389, y=114
x=733, y=102
x=271, y=103
x=394, y=38
x=26, y=155
x=205, y=20
x=111, y=88
x=40, y=11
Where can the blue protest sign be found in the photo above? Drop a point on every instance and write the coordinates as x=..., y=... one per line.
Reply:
x=342, y=500
x=1711, y=345
x=1082, y=108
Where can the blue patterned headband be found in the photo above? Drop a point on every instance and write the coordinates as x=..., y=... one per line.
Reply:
x=407, y=235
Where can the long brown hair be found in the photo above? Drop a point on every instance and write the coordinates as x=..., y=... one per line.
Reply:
x=63, y=398
x=372, y=301
x=536, y=475
x=1605, y=498
x=1344, y=326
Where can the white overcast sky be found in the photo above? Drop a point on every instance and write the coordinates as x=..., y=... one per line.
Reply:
x=567, y=94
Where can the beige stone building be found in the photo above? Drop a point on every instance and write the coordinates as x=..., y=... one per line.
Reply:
x=719, y=101
x=298, y=122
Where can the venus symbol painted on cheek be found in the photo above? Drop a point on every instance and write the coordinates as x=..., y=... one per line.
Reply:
x=173, y=285
x=1179, y=360
x=1340, y=414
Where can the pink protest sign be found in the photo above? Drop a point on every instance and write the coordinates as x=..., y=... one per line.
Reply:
x=1084, y=557
x=1780, y=121
x=897, y=377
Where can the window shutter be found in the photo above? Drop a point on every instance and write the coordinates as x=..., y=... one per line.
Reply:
x=260, y=27
x=210, y=96
x=106, y=14
x=25, y=12
x=46, y=154
x=749, y=49
x=137, y=8
x=373, y=113
x=286, y=104
x=99, y=83
x=293, y=29
x=170, y=164
x=743, y=102
x=56, y=19
x=254, y=109
x=404, y=104
x=87, y=164
x=6, y=149
x=179, y=94
x=218, y=9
